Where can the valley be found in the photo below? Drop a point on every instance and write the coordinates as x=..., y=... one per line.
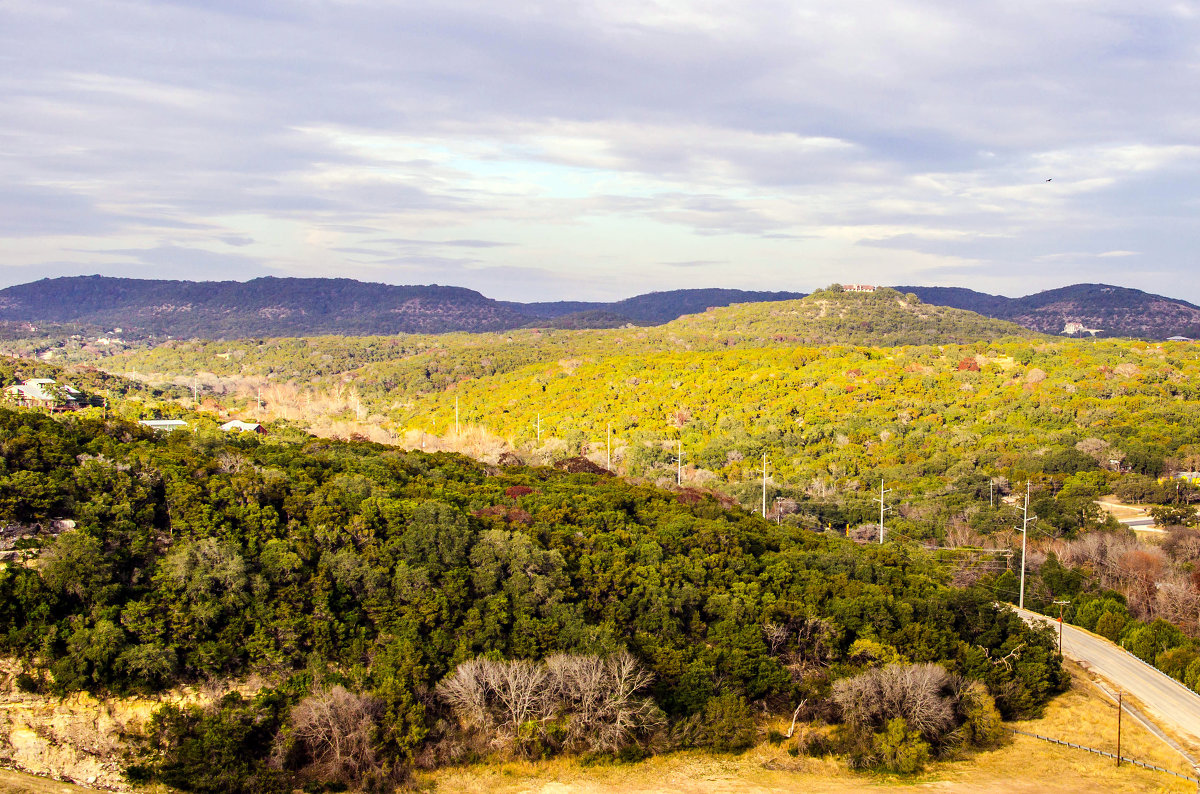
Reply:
x=692, y=509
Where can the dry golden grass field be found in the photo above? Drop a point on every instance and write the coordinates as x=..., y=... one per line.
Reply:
x=1083, y=715
x=1024, y=766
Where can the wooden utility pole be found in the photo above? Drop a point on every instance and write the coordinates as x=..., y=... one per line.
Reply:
x=1120, y=708
x=1061, y=604
x=539, y=429
x=608, y=449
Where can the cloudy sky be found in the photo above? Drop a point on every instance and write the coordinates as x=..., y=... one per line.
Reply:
x=596, y=149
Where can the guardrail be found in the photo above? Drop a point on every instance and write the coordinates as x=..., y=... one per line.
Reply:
x=1106, y=754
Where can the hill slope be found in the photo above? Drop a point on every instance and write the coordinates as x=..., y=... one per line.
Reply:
x=884, y=318
x=307, y=307
x=262, y=306
x=1116, y=311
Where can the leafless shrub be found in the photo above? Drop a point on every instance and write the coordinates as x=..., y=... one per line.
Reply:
x=496, y=698
x=594, y=700
x=1177, y=600
x=804, y=645
x=923, y=694
x=599, y=698
x=775, y=635
x=330, y=732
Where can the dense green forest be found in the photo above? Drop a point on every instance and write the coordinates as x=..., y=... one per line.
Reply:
x=839, y=391
x=410, y=595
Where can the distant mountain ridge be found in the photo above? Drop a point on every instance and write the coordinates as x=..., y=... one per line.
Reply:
x=1107, y=309
x=339, y=306
x=316, y=306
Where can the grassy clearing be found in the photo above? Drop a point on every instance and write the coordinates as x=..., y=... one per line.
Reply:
x=1082, y=715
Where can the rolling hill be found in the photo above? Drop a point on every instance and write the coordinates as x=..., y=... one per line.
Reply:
x=314, y=306
x=1114, y=311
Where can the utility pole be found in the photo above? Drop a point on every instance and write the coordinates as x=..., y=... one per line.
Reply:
x=882, y=509
x=1024, y=532
x=456, y=416
x=195, y=392
x=608, y=449
x=1120, y=708
x=1061, y=604
x=259, y=399
x=764, y=504
x=539, y=429
x=991, y=494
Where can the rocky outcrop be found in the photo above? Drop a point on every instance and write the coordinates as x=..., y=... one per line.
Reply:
x=80, y=738
x=76, y=739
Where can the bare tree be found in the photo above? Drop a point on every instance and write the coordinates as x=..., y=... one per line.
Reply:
x=522, y=688
x=332, y=728
x=775, y=635
x=497, y=698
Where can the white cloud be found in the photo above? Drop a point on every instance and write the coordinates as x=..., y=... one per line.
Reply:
x=603, y=141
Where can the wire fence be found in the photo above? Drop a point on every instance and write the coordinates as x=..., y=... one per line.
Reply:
x=1106, y=754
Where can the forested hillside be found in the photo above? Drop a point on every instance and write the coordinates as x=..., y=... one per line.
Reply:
x=366, y=580
x=161, y=309
x=1111, y=311
x=839, y=390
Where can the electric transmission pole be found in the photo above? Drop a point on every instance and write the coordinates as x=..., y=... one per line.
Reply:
x=456, y=416
x=1026, y=518
x=679, y=464
x=882, y=509
x=608, y=449
x=1060, y=604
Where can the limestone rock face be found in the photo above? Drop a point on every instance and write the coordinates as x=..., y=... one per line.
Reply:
x=76, y=739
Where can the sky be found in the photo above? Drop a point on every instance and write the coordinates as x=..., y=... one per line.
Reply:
x=597, y=149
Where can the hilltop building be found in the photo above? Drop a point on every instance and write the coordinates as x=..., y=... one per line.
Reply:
x=244, y=427
x=1071, y=329
x=858, y=288
x=164, y=425
x=44, y=393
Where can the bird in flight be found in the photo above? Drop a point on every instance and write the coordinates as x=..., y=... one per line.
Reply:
x=1051, y=179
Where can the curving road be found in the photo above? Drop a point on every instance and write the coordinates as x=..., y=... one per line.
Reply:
x=1165, y=700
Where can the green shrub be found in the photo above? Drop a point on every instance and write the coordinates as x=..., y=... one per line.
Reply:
x=982, y=725
x=901, y=750
x=728, y=724
x=1110, y=625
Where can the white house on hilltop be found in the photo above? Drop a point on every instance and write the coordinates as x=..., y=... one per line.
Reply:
x=44, y=393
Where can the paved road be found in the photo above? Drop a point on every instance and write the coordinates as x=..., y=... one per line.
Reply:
x=1141, y=525
x=1166, y=701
